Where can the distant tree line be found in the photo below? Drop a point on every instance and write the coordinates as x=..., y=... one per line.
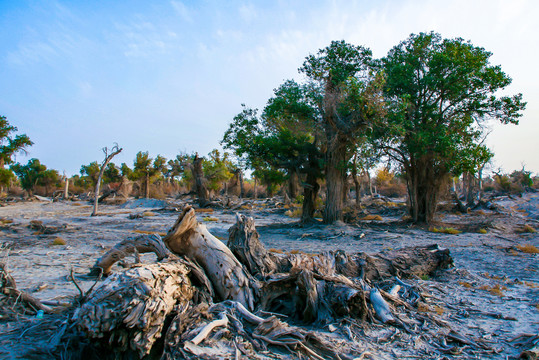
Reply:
x=419, y=114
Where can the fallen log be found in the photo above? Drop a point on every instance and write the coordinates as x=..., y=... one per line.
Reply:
x=132, y=245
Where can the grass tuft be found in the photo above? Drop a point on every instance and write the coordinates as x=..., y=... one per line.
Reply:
x=447, y=230
x=482, y=231
x=209, y=218
x=372, y=217
x=528, y=249
x=58, y=241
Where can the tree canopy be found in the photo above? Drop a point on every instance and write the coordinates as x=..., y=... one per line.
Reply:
x=439, y=93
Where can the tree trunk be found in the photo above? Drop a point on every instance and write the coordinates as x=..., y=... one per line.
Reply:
x=255, y=190
x=335, y=178
x=108, y=157
x=147, y=186
x=228, y=277
x=200, y=182
x=66, y=188
x=357, y=184
x=240, y=178
x=423, y=188
x=293, y=184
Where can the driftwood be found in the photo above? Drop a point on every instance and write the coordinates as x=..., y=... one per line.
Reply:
x=128, y=311
x=179, y=307
x=132, y=245
x=229, y=279
x=8, y=288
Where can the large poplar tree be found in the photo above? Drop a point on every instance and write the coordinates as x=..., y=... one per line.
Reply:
x=440, y=93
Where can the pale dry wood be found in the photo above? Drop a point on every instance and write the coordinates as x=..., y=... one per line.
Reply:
x=8, y=288
x=128, y=310
x=206, y=330
x=229, y=278
x=130, y=246
x=244, y=242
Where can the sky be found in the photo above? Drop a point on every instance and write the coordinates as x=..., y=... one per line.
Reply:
x=169, y=76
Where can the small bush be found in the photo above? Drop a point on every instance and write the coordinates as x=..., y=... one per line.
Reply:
x=58, y=241
x=482, y=231
x=372, y=217
x=528, y=249
x=447, y=230
x=296, y=213
x=148, y=213
x=209, y=218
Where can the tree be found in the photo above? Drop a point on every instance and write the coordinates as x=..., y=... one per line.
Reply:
x=34, y=174
x=440, y=92
x=217, y=169
x=90, y=174
x=349, y=100
x=112, y=174
x=9, y=146
x=109, y=154
x=146, y=168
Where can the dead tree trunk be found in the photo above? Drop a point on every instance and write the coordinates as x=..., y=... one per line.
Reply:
x=229, y=279
x=66, y=187
x=108, y=157
x=200, y=182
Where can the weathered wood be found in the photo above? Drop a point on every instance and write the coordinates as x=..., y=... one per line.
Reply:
x=129, y=309
x=109, y=154
x=129, y=246
x=8, y=288
x=245, y=244
x=227, y=275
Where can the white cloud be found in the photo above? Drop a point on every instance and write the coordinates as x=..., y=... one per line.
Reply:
x=248, y=13
x=182, y=10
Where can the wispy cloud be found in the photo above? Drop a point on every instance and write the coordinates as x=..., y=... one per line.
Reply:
x=182, y=10
x=248, y=13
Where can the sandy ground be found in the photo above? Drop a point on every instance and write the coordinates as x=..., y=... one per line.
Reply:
x=494, y=275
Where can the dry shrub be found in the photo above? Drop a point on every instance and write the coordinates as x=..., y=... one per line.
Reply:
x=204, y=210
x=148, y=213
x=209, y=218
x=526, y=229
x=465, y=284
x=58, y=241
x=372, y=217
x=528, y=249
x=394, y=189
x=482, y=231
x=447, y=230
x=295, y=213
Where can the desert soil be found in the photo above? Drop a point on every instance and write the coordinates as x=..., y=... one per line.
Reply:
x=490, y=296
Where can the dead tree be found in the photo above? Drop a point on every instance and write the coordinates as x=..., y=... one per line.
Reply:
x=109, y=154
x=204, y=284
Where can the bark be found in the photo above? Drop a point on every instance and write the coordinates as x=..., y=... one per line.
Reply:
x=335, y=178
x=357, y=185
x=227, y=275
x=200, y=182
x=108, y=157
x=310, y=193
x=293, y=184
x=423, y=183
x=245, y=244
x=147, y=186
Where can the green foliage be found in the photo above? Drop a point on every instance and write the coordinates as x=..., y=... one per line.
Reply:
x=144, y=166
x=10, y=145
x=126, y=171
x=217, y=169
x=34, y=174
x=89, y=173
x=439, y=92
x=111, y=174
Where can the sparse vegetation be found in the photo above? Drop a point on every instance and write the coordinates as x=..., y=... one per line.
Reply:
x=528, y=249
x=445, y=230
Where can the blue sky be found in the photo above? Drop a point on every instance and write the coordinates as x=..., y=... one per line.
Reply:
x=169, y=76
